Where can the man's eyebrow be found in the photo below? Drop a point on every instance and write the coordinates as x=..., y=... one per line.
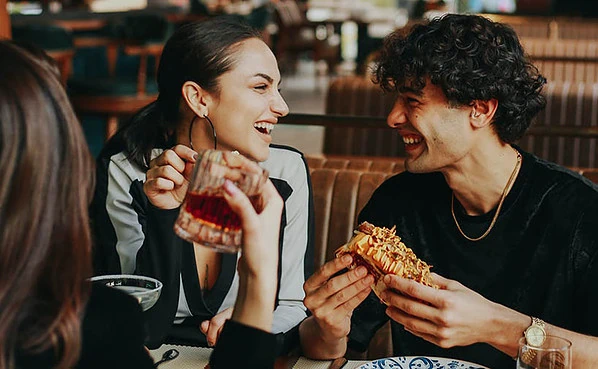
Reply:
x=407, y=89
x=264, y=76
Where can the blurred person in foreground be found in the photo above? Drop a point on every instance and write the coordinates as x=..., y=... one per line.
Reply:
x=513, y=238
x=50, y=314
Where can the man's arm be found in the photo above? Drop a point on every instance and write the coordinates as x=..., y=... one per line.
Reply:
x=457, y=316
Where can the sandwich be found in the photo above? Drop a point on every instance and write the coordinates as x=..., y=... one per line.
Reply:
x=382, y=252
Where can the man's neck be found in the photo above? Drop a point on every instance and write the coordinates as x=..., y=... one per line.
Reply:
x=479, y=179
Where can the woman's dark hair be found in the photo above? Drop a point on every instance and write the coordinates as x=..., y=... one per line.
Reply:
x=45, y=242
x=199, y=52
x=470, y=58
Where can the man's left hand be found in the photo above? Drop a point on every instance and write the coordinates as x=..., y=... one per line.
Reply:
x=452, y=315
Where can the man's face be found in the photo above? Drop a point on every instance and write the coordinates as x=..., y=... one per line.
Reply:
x=436, y=135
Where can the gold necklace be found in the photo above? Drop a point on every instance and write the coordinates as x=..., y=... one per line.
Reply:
x=502, y=199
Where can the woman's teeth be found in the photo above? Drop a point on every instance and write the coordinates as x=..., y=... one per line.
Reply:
x=412, y=140
x=265, y=128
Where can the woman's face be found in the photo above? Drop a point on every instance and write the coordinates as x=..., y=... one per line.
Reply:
x=248, y=104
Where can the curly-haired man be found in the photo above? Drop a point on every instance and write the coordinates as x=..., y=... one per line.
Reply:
x=514, y=239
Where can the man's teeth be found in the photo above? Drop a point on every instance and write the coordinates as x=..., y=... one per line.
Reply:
x=264, y=127
x=411, y=140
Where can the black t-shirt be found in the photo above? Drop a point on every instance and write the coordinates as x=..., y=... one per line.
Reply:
x=539, y=259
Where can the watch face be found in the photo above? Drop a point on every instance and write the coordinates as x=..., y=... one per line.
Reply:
x=535, y=336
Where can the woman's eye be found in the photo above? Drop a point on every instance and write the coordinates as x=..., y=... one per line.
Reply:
x=261, y=87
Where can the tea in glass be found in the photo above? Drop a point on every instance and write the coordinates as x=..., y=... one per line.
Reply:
x=205, y=217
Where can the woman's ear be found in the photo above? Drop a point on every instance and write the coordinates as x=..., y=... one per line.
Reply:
x=196, y=98
x=482, y=112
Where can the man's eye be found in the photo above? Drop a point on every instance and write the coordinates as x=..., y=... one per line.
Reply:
x=412, y=101
x=261, y=87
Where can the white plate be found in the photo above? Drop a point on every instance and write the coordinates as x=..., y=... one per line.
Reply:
x=420, y=362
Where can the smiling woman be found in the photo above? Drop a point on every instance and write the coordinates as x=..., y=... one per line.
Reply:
x=218, y=87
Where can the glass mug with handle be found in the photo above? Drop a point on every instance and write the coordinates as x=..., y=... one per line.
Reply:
x=205, y=217
x=553, y=353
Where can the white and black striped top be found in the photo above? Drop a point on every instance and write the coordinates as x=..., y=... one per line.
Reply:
x=133, y=237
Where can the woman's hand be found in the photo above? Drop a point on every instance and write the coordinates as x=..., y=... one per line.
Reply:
x=212, y=328
x=258, y=264
x=168, y=177
x=261, y=230
x=450, y=316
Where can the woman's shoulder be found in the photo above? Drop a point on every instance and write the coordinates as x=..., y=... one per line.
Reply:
x=284, y=162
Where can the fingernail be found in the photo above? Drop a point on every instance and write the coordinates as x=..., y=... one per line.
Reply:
x=230, y=187
x=361, y=271
x=346, y=258
x=387, y=279
x=195, y=156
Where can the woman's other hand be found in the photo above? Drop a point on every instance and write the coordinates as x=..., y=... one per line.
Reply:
x=168, y=177
x=258, y=263
x=212, y=328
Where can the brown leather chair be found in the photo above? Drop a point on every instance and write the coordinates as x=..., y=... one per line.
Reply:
x=572, y=105
x=359, y=96
x=353, y=162
x=591, y=174
x=339, y=196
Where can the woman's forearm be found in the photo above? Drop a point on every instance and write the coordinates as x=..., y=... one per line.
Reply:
x=254, y=306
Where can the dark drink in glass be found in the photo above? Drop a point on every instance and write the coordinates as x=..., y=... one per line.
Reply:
x=205, y=217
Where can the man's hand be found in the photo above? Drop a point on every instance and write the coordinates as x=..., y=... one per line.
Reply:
x=332, y=298
x=450, y=316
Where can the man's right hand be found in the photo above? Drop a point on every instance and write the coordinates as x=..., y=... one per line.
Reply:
x=332, y=298
x=168, y=177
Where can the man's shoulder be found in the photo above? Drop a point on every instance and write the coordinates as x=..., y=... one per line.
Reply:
x=559, y=179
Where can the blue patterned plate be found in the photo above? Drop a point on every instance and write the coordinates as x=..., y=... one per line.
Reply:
x=420, y=362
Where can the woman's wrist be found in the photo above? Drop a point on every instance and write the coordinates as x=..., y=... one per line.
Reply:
x=255, y=302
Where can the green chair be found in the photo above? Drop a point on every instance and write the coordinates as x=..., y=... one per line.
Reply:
x=56, y=41
x=133, y=46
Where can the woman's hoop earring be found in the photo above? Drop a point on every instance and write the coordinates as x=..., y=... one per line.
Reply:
x=211, y=126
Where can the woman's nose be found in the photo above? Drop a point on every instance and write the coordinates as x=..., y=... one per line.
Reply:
x=279, y=106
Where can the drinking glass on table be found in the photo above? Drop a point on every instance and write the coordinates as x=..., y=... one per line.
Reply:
x=145, y=289
x=553, y=353
x=205, y=217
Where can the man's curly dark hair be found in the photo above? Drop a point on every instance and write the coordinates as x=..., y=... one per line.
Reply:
x=470, y=58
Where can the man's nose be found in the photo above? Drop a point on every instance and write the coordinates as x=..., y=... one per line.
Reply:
x=397, y=116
